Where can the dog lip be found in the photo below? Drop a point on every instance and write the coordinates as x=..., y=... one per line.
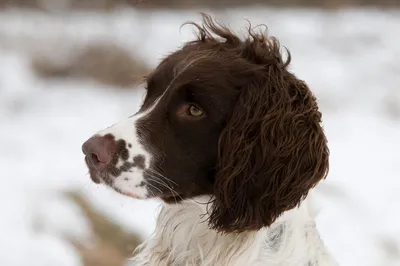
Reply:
x=128, y=194
x=88, y=163
x=95, y=177
x=93, y=172
x=131, y=195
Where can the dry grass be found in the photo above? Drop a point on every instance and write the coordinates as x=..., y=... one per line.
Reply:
x=112, y=245
x=103, y=62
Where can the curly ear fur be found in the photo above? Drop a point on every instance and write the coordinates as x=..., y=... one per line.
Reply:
x=273, y=149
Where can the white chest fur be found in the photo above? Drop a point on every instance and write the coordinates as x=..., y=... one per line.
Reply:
x=182, y=238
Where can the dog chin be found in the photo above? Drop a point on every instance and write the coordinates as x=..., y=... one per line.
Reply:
x=126, y=193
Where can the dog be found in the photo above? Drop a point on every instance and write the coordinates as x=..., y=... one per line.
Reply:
x=232, y=143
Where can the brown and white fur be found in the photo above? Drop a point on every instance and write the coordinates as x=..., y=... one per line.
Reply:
x=231, y=142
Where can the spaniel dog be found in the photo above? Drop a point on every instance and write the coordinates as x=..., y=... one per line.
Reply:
x=232, y=143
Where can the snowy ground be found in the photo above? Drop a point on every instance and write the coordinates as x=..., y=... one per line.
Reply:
x=349, y=58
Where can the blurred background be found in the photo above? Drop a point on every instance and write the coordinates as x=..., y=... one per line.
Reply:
x=71, y=67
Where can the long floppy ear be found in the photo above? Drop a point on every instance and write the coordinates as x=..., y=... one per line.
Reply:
x=271, y=152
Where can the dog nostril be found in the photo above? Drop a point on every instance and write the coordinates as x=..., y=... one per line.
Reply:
x=94, y=158
x=99, y=150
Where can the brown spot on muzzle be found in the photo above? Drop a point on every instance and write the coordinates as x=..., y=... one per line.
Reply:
x=122, y=151
x=139, y=162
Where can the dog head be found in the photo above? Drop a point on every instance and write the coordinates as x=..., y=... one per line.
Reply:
x=223, y=117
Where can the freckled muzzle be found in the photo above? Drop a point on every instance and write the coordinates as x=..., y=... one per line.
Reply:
x=115, y=157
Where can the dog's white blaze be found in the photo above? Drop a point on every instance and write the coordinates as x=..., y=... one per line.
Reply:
x=130, y=182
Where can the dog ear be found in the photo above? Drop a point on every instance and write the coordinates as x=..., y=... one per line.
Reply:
x=271, y=153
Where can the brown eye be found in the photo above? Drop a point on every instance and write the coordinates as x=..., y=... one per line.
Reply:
x=190, y=111
x=194, y=111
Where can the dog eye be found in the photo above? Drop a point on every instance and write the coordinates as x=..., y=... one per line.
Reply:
x=194, y=111
x=190, y=111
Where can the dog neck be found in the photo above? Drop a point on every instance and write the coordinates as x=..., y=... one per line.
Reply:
x=182, y=237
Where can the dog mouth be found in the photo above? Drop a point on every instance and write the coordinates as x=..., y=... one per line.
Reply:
x=98, y=176
x=93, y=172
x=103, y=176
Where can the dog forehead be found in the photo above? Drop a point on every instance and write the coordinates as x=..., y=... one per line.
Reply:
x=186, y=57
x=208, y=75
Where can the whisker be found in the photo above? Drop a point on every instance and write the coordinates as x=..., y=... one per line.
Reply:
x=148, y=183
x=152, y=193
x=159, y=181
x=163, y=176
x=153, y=179
x=162, y=182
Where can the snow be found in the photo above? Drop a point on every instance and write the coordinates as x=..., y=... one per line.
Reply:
x=348, y=57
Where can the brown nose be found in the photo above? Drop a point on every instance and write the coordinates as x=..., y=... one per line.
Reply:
x=99, y=151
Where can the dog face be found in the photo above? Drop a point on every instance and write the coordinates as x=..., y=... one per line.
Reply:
x=169, y=148
x=221, y=117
